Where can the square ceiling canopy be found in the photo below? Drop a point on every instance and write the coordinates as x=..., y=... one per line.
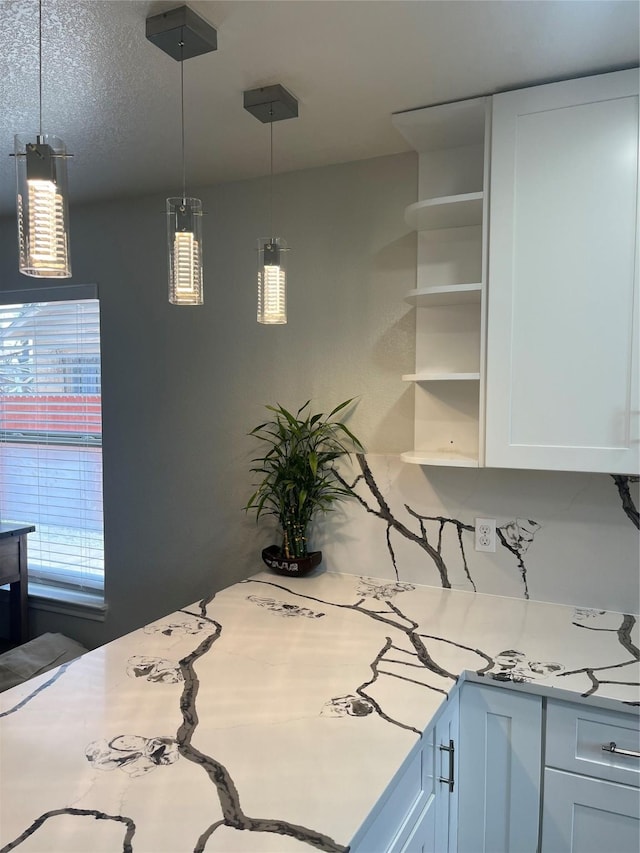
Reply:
x=270, y=103
x=181, y=33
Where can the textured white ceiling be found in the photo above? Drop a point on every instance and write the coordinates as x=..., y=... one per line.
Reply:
x=114, y=97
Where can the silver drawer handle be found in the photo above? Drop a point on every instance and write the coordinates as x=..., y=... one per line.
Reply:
x=451, y=750
x=630, y=753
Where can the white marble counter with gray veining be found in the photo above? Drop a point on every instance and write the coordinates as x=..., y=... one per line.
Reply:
x=271, y=717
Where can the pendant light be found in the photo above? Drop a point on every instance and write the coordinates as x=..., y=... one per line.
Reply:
x=184, y=236
x=42, y=207
x=183, y=34
x=270, y=104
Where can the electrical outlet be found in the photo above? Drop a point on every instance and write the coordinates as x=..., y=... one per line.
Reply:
x=485, y=534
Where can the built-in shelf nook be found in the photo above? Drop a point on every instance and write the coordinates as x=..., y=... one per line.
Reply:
x=450, y=217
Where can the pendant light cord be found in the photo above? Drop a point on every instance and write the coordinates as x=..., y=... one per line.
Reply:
x=184, y=168
x=271, y=173
x=40, y=61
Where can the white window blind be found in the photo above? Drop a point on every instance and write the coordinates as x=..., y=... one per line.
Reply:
x=51, y=431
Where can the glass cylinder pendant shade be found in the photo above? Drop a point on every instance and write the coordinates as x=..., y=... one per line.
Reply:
x=272, y=281
x=43, y=215
x=184, y=232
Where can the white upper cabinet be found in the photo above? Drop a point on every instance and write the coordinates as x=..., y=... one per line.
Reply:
x=563, y=302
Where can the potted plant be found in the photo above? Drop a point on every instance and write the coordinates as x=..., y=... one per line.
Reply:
x=299, y=478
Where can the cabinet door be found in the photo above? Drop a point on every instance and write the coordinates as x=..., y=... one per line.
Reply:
x=563, y=307
x=447, y=768
x=436, y=829
x=417, y=805
x=583, y=815
x=409, y=797
x=419, y=837
x=499, y=769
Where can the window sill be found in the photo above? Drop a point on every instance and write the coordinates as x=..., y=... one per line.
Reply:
x=68, y=602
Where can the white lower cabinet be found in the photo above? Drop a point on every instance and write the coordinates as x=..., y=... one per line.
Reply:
x=417, y=813
x=499, y=769
x=540, y=774
x=591, y=801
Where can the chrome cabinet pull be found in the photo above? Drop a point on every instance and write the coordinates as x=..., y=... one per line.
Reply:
x=451, y=750
x=611, y=747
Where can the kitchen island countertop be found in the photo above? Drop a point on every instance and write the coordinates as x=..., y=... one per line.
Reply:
x=271, y=717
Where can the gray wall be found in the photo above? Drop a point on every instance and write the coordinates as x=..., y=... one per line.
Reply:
x=183, y=386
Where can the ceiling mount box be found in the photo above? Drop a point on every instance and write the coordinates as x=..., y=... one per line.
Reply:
x=181, y=33
x=270, y=103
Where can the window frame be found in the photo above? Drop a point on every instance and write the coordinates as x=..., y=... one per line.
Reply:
x=74, y=592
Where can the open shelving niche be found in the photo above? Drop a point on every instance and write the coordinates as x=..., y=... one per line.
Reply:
x=450, y=216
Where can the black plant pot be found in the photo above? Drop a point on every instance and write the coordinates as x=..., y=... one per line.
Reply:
x=272, y=556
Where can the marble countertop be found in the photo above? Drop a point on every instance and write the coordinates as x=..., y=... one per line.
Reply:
x=271, y=717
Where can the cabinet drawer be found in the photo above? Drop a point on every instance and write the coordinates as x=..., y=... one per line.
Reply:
x=577, y=733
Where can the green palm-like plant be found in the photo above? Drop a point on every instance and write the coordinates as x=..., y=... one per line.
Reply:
x=298, y=474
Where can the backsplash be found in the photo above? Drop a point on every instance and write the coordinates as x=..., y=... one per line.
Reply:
x=569, y=538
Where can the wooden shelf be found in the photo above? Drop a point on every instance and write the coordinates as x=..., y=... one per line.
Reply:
x=451, y=211
x=428, y=457
x=441, y=377
x=454, y=294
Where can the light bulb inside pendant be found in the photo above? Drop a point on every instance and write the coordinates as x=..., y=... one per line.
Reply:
x=184, y=238
x=272, y=282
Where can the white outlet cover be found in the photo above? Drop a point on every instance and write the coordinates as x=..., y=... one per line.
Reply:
x=485, y=535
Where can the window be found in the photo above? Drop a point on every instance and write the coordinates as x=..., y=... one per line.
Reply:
x=51, y=431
